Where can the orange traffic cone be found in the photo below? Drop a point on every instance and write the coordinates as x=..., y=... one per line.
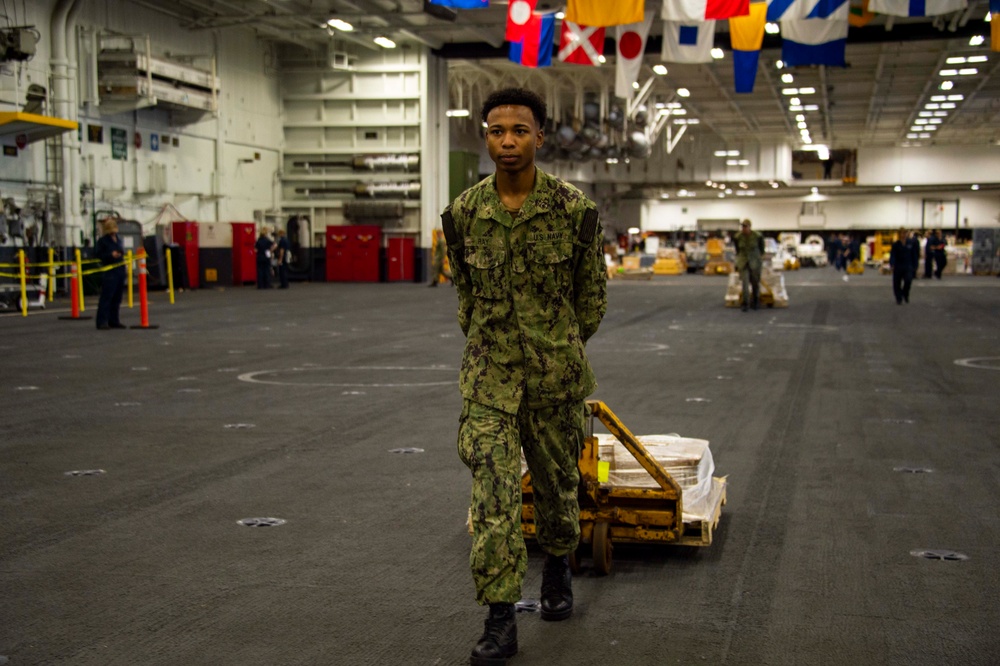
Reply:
x=74, y=299
x=143, y=300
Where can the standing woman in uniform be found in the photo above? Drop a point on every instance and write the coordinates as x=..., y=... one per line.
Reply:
x=264, y=247
x=110, y=251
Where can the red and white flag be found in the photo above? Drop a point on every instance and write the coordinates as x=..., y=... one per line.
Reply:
x=518, y=16
x=581, y=44
x=631, y=47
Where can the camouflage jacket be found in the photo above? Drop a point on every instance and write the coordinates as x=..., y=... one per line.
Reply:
x=531, y=290
x=749, y=250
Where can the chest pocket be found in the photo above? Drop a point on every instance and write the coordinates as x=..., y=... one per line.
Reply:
x=487, y=267
x=550, y=266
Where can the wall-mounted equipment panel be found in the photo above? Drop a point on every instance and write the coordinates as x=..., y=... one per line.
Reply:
x=130, y=77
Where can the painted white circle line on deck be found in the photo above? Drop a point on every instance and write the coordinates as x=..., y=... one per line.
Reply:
x=980, y=362
x=259, y=376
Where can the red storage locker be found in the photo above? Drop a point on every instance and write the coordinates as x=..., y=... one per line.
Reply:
x=338, y=263
x=400, y=256
x=186, y=235
x=352, y=253
x=244, y=254
x=367, y=240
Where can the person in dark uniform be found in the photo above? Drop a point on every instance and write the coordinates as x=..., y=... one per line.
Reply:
x=940, y=258
x=284, y=248
x=110, y=251
x=264, y=247
x=901, y=260
x=749, y=262
x=932, y=242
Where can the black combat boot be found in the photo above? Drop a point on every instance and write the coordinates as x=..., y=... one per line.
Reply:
x=557, y=588
x=499, y=639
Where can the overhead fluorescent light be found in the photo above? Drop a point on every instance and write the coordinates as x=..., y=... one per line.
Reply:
x=660, y=69
x=968, y=71
x=938, y=98
x=796, y=107
x=789, y=91
x=787, y=77
x=807, y=91
x=337, y=24
x=975, y=187
x=932, y=105
x=717, y=54
x=385, y=42
x=979, y=58
x=771, y=28
x=976, y=40
x=802, y=125
x=779, y=64
x=940, y=114
x=897, y=189
x=948, y=72
x=800, y=118
x=955, y=60
x=457, y=113
x=955, y=98
x=947, y=105
x=795, y=101
x=947, y=85
x=683, y=92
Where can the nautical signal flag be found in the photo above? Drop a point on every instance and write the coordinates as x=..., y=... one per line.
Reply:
x=518, y=15
x=916, y=7
x=688, y=41
x=535, y=49
x=462, y=4
x=816, y=41
x=784, y=10
x=702, y=10
x=994, y=25
x=860, y=14
x=581, y=44
x=605, y=12
x=631, y=46
x=746, y=35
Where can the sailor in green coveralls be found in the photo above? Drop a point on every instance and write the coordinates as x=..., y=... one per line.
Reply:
x=526, y=251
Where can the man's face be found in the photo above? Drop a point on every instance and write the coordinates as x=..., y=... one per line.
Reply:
x=745, y=229
x=512, y=137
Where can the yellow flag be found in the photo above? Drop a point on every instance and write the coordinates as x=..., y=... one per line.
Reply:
x=746, y=33
x=597, y=13
x=995, y=33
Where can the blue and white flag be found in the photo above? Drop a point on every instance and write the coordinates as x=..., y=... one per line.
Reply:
x=462, y=4
x=784, y=10
x=916, y=7
x=688, y=41
x=816, y=41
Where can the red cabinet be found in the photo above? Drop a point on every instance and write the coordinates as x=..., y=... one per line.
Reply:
x=352, y=253
x=185, y=235
x=244, y=254
x=400, y=257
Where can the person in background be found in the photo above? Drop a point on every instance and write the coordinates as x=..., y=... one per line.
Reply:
x=438, y=252
x=933, y=240
x=940, y=256
x=264, y=247
x=283, y=249
x=526, y=253
x=901, y=261
x=110, y=251
x=749, y=262
x=913, y=242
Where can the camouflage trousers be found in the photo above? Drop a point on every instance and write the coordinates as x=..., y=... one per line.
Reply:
x=490, y=443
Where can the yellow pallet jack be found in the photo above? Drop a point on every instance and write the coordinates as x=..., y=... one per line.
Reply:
x=611, y=513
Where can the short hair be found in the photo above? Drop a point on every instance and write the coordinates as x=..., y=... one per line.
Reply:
x=746, y=222
x=516, y=97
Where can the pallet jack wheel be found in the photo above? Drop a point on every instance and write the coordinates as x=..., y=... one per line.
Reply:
x=574, y=562
x=602, y=548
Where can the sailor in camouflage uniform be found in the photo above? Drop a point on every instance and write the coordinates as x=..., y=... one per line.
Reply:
x=527, y=260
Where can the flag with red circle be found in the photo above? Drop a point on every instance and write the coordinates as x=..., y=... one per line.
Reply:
x=581, y=44
x=518, y=17
x=630, y=47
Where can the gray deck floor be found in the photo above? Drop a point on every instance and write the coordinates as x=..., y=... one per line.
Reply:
x=809, y=411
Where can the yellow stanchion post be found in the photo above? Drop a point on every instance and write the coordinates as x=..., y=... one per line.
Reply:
x=170, y=275
x=128, y=276
x=79, y=283
x=24, y=283
x=52, y=273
